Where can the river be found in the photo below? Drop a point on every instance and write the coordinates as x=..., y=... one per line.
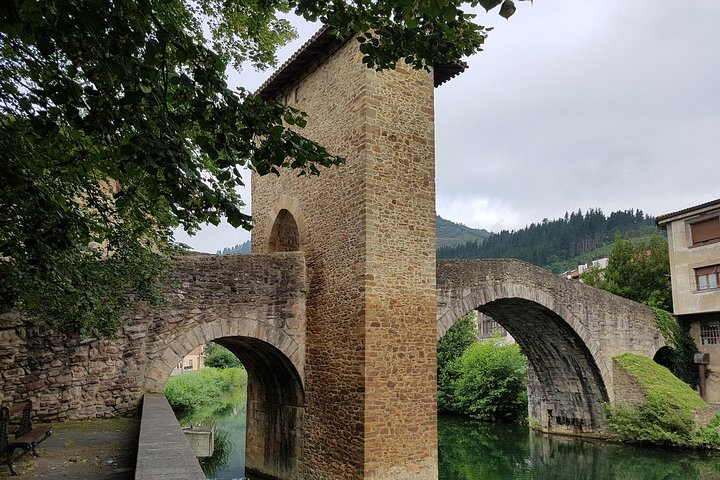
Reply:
x=472, y=450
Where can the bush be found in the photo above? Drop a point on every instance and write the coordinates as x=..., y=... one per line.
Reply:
x=492, y=383
x=655, y=421
x=190, y=393
x=450, y=348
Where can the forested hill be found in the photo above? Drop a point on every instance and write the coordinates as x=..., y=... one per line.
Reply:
x=450, y=233
x=239, y=248
x=557, y=244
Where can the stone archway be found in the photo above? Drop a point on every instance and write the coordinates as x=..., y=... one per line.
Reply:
x=287, y=231
x=275, y=407
x=569, y=332
x=254, y=305
x=566, y=389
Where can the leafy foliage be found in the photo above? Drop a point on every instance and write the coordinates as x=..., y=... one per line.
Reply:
x=667, y=414
x=218, y=356
x=682, y=363
x=196, y=396
x=638, y=270
x=117, y=125
x=493, y=381
x=557, y=244
x=485, y=379
x=449, y=350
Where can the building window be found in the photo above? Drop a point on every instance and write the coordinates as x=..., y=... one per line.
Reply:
x=487, y=327
x=705, y=231
x=710, y=333
x=707, y=277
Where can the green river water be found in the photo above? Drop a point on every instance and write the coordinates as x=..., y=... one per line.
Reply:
x=472, y=450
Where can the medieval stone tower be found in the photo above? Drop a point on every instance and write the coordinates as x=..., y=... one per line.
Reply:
x=367, y=230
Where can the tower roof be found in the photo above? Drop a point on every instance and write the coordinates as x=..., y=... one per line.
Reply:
x=318, y=48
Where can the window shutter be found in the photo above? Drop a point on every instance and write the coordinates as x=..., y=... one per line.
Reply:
x=705, y=231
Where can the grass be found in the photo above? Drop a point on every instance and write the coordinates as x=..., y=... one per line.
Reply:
x=658, y=380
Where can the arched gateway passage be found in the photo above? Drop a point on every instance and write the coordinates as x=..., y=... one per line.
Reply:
x=569, y=332
x=254, y=305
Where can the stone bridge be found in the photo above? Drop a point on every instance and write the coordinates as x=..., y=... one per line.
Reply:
x=255, y=305
x=570, y=332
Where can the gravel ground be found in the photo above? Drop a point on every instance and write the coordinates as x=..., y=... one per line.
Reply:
x=87, y=450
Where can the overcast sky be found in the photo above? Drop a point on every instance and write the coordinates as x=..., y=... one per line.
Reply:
x=596, y=104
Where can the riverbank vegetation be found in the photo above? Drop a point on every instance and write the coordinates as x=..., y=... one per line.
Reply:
x=671, y=412
x=197, y=396
x=207, y=396
x=485, y=379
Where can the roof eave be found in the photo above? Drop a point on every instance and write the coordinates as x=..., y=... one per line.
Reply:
x=318, y=48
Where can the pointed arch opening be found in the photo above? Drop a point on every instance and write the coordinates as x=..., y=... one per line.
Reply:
x=285, y=235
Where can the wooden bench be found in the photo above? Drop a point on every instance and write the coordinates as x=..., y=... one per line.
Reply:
x=22, y=440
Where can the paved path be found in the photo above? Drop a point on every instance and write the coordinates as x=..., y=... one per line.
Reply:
x=89, y=450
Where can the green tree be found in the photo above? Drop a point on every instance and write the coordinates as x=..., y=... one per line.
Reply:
x=637, y=269
x=217, y=356
x=449, y=350
x=117, y=125
x=493, y=381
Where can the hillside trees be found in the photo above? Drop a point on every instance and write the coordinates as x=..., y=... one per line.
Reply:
x=551, y=241
x=117, y=125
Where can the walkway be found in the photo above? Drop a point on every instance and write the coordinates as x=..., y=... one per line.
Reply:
x=88, y=450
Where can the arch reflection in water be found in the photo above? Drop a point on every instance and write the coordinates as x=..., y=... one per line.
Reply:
x=472, y=450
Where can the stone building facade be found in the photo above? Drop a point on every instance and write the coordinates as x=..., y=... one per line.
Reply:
x=694, y=246
x=367, y=229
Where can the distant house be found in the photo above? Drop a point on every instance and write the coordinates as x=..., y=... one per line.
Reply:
x=694, y=247
x=488, y=328
x=597, y=264
x=193, y=361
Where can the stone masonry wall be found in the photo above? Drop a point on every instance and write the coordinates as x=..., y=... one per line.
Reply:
x=260, y=296
x=367, y=231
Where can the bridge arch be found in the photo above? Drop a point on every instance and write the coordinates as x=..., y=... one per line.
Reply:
x=262, y=346
x=254, y=305
x=275, y=400
x=569, y=332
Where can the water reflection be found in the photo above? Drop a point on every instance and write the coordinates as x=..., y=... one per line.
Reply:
x=228, y=418
x=471, y=450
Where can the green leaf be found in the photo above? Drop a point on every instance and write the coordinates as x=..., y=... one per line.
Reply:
x=507, y=9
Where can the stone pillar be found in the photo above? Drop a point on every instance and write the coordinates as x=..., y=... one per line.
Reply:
x=367, y=229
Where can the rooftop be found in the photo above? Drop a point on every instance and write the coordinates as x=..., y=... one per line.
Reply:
x=318, y=48
x=661, y=219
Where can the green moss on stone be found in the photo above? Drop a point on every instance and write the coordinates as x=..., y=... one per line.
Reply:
x=660, y=381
